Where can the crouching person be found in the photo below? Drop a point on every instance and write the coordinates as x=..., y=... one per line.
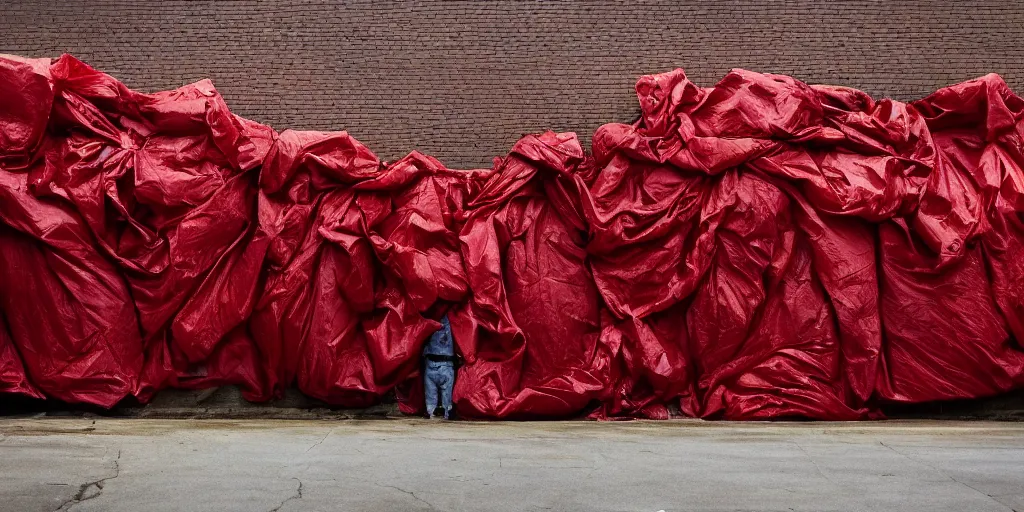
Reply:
x=439, y=369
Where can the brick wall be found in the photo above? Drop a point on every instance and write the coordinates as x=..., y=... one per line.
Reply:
x=462, y=80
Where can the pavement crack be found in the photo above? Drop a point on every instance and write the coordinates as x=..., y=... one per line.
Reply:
x=410, y=493
x=979, y=491
x=943, y=473
x=320, y=441
x=93, y=489
x=813, y=462
x=296, y=496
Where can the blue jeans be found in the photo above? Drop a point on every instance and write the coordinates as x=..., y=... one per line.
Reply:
x=439, y=376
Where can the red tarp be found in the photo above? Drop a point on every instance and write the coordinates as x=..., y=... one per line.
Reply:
x=759, y=249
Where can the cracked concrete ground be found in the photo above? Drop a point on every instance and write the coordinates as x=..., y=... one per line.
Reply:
x=115, y=465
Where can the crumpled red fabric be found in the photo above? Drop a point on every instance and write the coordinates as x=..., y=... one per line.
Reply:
x=531, y=331
x=359, y=253
x=758, y=249
x=13, y=379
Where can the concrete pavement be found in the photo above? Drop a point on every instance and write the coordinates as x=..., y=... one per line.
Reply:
x=411, y=465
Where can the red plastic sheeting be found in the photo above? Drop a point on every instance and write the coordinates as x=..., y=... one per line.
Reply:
x=759, y=249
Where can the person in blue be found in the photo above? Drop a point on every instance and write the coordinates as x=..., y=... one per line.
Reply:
x=439, y=369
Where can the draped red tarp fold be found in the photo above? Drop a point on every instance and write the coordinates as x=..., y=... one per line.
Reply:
x=758, y=249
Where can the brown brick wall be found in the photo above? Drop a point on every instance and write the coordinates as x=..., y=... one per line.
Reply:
x=462, y=80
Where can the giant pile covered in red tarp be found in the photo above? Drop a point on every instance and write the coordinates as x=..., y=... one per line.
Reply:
x=762, y=248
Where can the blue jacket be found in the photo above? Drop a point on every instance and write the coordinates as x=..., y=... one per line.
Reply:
x=441, y=342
